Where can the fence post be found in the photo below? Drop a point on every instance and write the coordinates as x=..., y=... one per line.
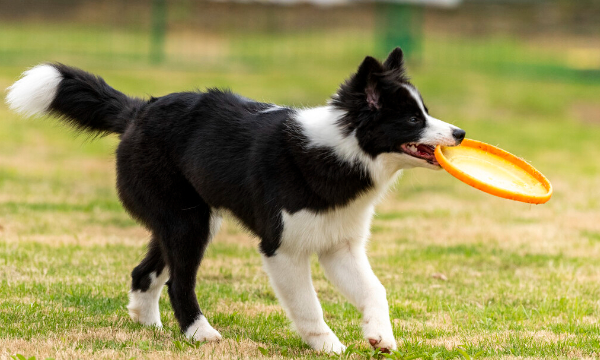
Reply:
x=399, y=25
x=158, y=31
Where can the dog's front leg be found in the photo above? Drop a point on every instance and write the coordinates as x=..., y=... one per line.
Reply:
x=348, y=268
x=290, y=277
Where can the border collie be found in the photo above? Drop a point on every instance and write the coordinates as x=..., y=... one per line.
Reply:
x=303, y=181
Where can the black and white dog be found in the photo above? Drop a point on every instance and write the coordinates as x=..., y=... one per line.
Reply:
x=302, y=180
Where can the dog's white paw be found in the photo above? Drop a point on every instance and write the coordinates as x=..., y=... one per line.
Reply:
x=200, y=330
x=143, y=308
x=326, y=342
x=380, y=336
x=384, y=345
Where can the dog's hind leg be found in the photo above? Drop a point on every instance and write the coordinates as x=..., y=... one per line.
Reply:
x=348, y=268
x=182, y=224
x=184, y=243
x=290, y=277
x=147, y=281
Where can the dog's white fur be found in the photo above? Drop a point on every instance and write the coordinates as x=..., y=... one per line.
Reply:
x=143, y=305
x=347, y=267
x=291, y=280
x=33, y=93
x=200, y=330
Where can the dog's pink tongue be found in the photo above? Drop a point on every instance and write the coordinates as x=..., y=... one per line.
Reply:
x=425, y=150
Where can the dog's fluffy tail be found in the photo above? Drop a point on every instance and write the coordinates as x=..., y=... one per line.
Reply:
x=81, y=99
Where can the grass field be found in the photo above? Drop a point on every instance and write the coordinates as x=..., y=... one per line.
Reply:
x=519, y=281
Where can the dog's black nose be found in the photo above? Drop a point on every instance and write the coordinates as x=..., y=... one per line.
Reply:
x=459, y=135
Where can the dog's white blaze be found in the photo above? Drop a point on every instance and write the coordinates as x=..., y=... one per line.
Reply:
x=415, y=94
x=200, y=330
x=437, y=132
x=143, y=305
x=35, y=91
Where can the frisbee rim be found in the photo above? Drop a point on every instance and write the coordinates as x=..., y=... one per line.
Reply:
x=492, y=189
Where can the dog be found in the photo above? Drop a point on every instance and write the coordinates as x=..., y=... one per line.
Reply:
x=303, y=181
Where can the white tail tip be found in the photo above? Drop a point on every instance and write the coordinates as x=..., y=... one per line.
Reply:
x=33, y=93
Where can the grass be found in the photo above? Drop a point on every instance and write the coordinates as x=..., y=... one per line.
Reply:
x=522, y=280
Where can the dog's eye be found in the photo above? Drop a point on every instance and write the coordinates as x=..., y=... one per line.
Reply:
x=414, y=120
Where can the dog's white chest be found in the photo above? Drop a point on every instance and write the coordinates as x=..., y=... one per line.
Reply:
x=307, y=232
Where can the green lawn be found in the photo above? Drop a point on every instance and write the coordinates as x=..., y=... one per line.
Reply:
x=522, y=280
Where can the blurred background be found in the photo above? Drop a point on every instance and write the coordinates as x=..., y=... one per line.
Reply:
x=544, y=38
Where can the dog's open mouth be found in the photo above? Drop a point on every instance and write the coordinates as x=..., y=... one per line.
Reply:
x=420, y=151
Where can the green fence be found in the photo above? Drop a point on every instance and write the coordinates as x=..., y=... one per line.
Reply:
x=549, y=39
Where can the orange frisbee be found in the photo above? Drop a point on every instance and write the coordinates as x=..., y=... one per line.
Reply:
x=494, y=171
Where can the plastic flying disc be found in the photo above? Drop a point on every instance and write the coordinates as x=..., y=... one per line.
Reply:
x=494, y=171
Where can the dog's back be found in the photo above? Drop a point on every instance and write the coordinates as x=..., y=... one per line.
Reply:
x=228, y=150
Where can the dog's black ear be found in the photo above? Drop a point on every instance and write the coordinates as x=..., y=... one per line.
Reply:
x=362, y=90
x=365, y=81
x=395, y=61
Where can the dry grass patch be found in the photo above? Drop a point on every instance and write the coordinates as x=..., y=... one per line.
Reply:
x=586, y=112
x=247, y=308
x=77, y=346
x=498, y=339
x=550, y=229
x=126, y=237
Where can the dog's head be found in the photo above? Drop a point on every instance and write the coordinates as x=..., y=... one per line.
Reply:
x=387, y=115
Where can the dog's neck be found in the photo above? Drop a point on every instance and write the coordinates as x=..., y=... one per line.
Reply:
x=321, y=126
